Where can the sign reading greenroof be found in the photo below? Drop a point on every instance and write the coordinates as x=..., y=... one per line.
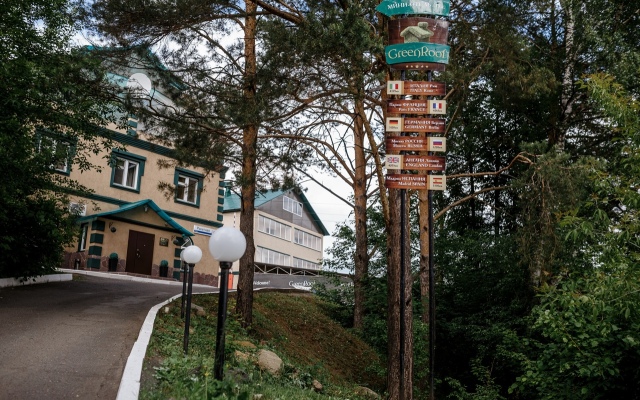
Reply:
x=416, y=7
x=417, y=52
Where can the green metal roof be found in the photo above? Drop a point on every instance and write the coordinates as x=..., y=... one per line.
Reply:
x=141, y=203
x=232, y=203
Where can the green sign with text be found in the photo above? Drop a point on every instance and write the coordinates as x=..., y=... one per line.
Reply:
x=416, y=7
x=417, y=52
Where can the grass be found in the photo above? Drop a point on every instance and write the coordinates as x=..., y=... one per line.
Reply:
x=294, y=326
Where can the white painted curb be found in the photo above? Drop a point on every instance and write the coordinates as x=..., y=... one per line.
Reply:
x=10, y=282
x=130, y=383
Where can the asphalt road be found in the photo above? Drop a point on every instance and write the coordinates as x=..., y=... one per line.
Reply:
x=71, y=340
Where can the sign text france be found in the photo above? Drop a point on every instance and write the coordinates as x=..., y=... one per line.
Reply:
x=416, y=107
x=418, y=163
x=417, y=7
x=417, y=88
x=417, y=182
x=399, y=124
x=410, y=143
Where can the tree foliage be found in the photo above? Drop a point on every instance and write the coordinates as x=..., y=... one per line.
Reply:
x=53, y=99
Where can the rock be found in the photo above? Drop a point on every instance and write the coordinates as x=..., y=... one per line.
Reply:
x=269, y=361
x=317, y=386
x=257, y=396
x=199, y=310
x=240, y=356
x=366, y=392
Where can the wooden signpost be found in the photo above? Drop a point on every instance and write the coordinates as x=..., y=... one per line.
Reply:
x=416, y=107
x=399, y=124
x=416, y=88
x=417, y=163
x=416, y=182
x=417, y=42
x=411, y=143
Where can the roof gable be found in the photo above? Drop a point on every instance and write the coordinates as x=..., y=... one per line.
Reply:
x=232, y=203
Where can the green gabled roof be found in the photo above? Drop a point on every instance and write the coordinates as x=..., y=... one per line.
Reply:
x=232, y=203
x=141, y=203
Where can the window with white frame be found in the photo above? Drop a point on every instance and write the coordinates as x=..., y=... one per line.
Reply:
x=187, y=189
x=269, y=256
x=84, y=231
x=291, y=205
x=127, y=170
x=274, y=228
x=300, y=263
x=307, y=240
x=58, y=151
x=188, y=186
x=126, y=173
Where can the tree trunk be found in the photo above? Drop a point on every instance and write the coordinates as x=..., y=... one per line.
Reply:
x=423, y=211
x=360, y=216
x=399, y=385
x=244, y=302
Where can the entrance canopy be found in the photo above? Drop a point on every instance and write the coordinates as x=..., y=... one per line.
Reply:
x=149, y=204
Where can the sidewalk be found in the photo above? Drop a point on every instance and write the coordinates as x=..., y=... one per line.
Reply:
x=121, y=276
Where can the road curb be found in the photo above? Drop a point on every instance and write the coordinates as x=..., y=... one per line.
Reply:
x=11, y=282
x=130, y=383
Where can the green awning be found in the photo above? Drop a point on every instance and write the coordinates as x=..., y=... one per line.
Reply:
x=127, y=207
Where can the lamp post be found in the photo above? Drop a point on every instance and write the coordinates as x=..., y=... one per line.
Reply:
x=226, y=245
x=191, y=255
x=184, y=270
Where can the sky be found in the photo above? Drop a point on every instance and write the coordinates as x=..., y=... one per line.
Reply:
x=329, y=209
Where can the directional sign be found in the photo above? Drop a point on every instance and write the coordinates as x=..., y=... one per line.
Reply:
x=410, y=143
x=417, y=52
x=418, y=163
x=416, y=107
x=418, y=182
x=417, y=7
x=417, y=88
x=399, y=124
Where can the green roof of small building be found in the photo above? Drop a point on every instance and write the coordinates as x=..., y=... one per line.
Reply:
x=232, y=203
x=141, y=203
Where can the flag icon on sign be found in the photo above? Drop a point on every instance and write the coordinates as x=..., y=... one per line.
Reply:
x=394, y=87
x=394, y=122
x=437, y=142
x=437, y=106
x=394, y=159
x=437, y=181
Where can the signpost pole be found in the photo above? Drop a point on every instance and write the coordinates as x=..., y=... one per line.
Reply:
x=432, y=303
x=403, y=228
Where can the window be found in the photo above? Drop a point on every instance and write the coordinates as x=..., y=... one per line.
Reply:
x=84, y=230
x=300, y=263
x=187, y=189
x=275, y=228
x=307, y=240
x=126, y=173
x=268, y=256
x=127, y=170
x=294, y=207
x=57, y=151
x=188, y=186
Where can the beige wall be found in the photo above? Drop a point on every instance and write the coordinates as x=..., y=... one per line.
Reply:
x=232, y=219
x=109, y=198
